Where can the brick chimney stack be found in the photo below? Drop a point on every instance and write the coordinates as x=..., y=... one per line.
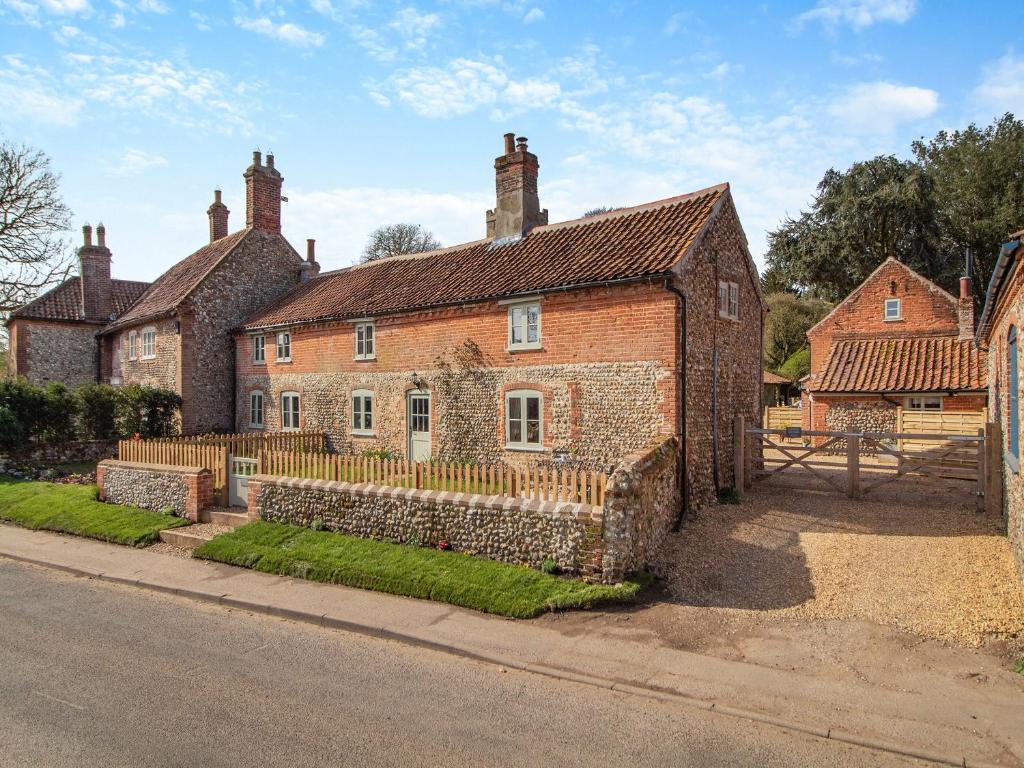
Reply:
x=515, y=179
x=218, y=213
x=965, y=305
x=310, y=268
x=263, y=195
x=94, y=275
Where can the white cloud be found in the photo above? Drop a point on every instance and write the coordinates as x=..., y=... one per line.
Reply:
x=153, y=6
x=859, y=14
x=676, y=22
x=201, y=21
x=1002, y=85
x=29, y=11
x=532, y=15
x=32, y=93
x=881, y=106
x=134, y=162
x=723, y=70
x=459, y=88
x=287, y=32
x=415, y=27
x=341, y=219
x=117, y=20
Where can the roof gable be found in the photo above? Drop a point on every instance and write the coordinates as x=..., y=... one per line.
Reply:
x=64, y=302
x=174, y=286
x=885, y=271
x=627, y=244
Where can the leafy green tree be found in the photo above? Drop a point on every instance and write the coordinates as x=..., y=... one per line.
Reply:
x=977, y=176
x=786, y=325
x=797, y=366
x=876, y=209
x=146, y=411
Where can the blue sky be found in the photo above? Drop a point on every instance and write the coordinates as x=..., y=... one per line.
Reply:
x=393, y=111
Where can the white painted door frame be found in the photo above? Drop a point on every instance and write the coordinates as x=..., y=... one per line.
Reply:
x=418, y=413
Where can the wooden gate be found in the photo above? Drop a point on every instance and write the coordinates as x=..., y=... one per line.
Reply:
x=857, y=463
x=941, y=422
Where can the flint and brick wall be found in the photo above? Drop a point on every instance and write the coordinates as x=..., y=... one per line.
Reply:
x=46, y=351
x=605, y=372
x=68, y=452
x=1009, y=311
x=186, y=491
x=598, y=544
x=194, y=350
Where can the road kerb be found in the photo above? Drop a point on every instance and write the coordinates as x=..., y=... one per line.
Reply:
x=566, y=675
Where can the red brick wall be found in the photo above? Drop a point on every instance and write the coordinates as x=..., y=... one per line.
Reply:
x=926, y=309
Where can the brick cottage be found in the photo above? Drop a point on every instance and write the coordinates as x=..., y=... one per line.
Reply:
x=584, y=340
x=999, y=332
x=896, y=343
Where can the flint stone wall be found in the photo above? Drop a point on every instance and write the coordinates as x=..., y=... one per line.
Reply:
x=69, y=452
x=604, y=545
x=878, y=416
x=183, y=490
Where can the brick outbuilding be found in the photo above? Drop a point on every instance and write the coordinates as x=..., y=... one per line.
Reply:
x=896, y=343
x=579, y=341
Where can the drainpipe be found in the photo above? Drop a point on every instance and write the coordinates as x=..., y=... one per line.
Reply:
x=684, y=486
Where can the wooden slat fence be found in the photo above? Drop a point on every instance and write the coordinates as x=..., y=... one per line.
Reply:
x=538, y=483
x=181, y=454
x=781, y=417
x=249, y=444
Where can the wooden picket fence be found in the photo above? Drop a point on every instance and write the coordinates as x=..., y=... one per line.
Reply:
x=249, y=444
x=180, y=454
x=537, y=483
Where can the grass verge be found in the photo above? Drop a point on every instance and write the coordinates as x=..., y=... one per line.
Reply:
x=76, y=509
x=1019, y=667
x=449, y=577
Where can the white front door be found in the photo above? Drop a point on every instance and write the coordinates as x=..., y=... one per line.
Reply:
x=419, y=426
x=238, y=482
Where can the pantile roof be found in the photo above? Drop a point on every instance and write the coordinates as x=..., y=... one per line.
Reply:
x=768, y=377
x=174, y=285
x=65, y=301
x=626, y=244
x=912, y=364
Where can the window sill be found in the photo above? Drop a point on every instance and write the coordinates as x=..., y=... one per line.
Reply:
x=524, y=348
x=728, y=317
x=893, y=320
x=525, y=448
x=363, y=433
x=259, y=362
x=257, y=426
x=370, y=359
x=289, y=429
x=1012, y=462
x=282, y=361
x=148, y=357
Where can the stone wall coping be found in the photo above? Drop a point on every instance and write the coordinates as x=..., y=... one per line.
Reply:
x=565, y=509
x=164, y=468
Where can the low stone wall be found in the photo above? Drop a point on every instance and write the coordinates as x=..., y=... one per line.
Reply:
x=641, y=503
x=68, y=452
x=184, y=490
x=1013, y=511
x=859, y=416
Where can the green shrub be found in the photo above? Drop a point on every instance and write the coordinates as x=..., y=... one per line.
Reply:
x=317, y=524
x=97, y=406
x=22, y=404
x=549, y=566
x=146, y=411
x=384, y=454
x=58, y=416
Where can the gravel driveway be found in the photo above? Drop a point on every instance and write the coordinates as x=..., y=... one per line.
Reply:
x=916, y=557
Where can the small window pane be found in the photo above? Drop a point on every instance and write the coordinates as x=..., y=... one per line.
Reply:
x=367, y=413
x=533, y=432
x=515, y=431
x=533, y=324
x=515, y=408
x=517, y=325
x=533, y=407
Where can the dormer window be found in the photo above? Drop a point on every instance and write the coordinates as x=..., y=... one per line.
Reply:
x=524, y=326
x=893, y=310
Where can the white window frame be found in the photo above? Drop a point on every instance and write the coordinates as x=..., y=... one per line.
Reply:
x=359, y=421
x=728, y=300
x=259, y=349
x=285, y=396
x=932, y=403
x=522, y=395
x=150, y=332
x=365, y=335
x=133, y=341
x=284, y=344
x=254, y=423
x=524, y=308
x=899, y=310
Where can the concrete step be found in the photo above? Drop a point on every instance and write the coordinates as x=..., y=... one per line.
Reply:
x=193, y=536
x=230, y=519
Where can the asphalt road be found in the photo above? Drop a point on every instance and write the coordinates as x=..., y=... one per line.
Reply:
x=99, y=675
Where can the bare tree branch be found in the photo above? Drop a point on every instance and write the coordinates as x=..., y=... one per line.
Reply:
x=33, y=219
x=398, y=239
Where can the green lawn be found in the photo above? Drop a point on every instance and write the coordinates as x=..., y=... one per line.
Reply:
x=75, y=509
x=470, y=582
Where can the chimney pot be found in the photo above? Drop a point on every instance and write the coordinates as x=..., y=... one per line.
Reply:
x=521, y=143
x=310, y=250
x=510, y=143
x=216, y=196
x=101, y=235
x=87, y=235
x=270, y=160
x=256, y=158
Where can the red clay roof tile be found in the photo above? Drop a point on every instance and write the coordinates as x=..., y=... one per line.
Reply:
x=65, y=301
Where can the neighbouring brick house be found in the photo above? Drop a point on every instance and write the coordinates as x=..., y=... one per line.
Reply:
x=176, y=332
x=999, y=332
x=897, y=343
x=55, y=336
x=583, y=339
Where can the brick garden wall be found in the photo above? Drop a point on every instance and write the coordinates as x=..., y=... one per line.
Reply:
x=605, y=372
x=185, y=491
x=53, y=351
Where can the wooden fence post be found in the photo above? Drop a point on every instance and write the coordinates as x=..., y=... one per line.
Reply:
x=994, y=468
x=853, y=466
x=982, y=471
x=738, y=454
x=225, y=461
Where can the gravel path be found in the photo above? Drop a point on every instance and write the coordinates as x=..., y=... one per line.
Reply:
x=914, y=558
